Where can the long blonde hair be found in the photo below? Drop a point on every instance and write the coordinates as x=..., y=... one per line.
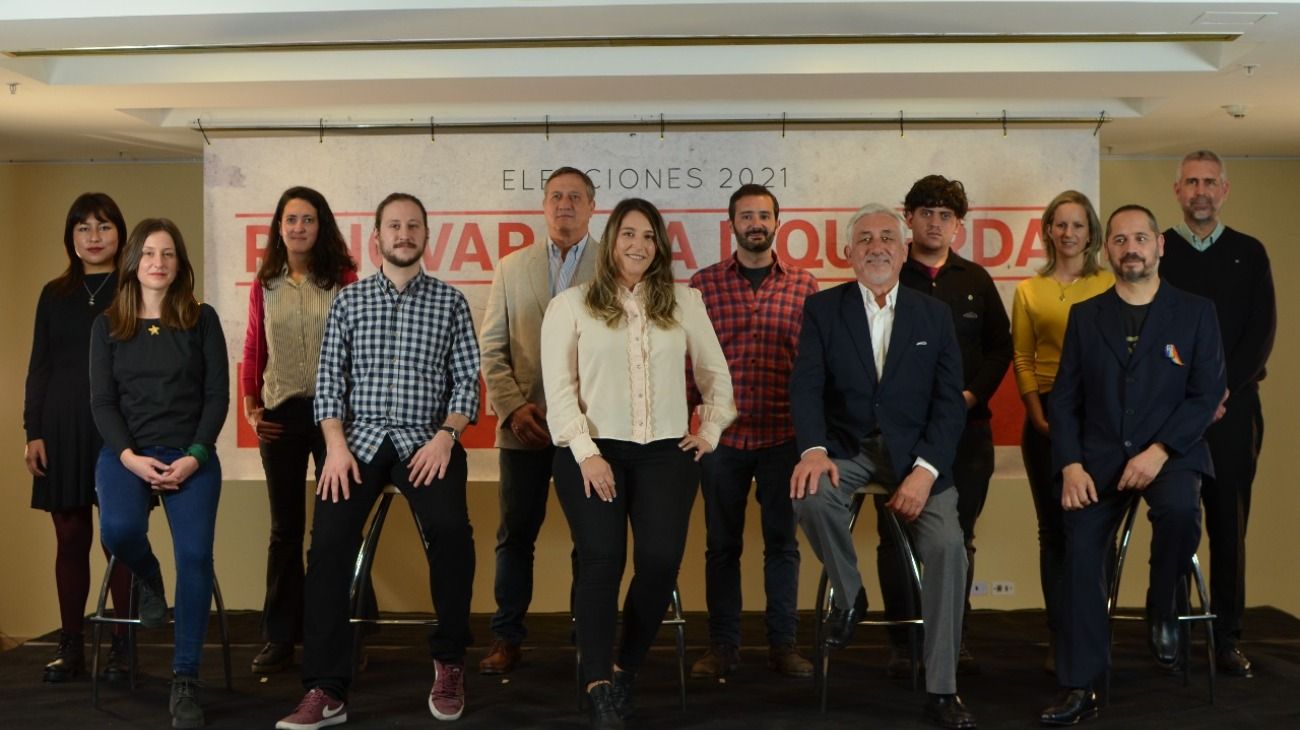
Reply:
x=1091, y=252
x=657, y=284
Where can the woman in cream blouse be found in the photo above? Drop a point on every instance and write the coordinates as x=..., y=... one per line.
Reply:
x=1072, y=236
x=614, y=358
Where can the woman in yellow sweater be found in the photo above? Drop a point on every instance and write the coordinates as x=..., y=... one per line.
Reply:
x=1072, y=236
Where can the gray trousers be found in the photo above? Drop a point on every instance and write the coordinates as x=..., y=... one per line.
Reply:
x=939, y=545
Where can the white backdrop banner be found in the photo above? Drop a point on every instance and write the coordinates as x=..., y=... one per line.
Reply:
x=484, y=195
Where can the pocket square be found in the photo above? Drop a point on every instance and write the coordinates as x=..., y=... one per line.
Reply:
x=922, y=343
x=1171, y=352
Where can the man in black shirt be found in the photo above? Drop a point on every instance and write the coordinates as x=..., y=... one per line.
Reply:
x=935, y=208
x=1230, y=268
x=1147, y=360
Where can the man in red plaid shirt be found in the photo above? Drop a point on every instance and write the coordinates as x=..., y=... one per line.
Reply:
x=755, y=302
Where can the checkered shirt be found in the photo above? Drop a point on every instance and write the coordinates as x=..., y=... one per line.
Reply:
x=759, y=332
x=396, y=363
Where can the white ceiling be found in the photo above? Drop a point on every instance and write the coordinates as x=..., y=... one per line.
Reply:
x=1164, y=92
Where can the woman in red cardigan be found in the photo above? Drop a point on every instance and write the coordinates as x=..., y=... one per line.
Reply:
x=305, y=265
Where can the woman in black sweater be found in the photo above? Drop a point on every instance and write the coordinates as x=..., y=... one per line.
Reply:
x=159, y=391
x=62, y=442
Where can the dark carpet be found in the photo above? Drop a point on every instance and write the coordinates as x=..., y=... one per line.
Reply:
x=1009, y=692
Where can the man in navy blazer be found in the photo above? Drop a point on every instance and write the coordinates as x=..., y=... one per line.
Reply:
x=1140, y=380
x=876, y=397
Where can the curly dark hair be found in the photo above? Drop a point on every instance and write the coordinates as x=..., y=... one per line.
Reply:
x=937, y=191
x=329, y=257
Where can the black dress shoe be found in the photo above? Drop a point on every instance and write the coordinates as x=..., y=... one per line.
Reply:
x=273, y=657
x=948, y=711
x=1164, y=640
x=1071, y=708
x=840, y=622
x=1233, y=663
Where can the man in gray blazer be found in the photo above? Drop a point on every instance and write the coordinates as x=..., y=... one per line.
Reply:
x=510, y=345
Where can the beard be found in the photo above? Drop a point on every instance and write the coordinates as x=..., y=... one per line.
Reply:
x=752, y=245
x=401, y=257
x=1133, y=275
x=1201, y=209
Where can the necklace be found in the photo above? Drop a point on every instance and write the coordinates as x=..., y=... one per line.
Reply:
x=1065, y=286
x=94, y=293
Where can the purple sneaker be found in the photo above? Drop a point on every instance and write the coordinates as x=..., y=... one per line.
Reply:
x=447, y=698
x=316, y=710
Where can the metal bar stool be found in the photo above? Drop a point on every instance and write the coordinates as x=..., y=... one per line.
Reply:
x=361, y=575
x=99, y=619
x=675, y=620
x=826, y=595
x=1185, y=619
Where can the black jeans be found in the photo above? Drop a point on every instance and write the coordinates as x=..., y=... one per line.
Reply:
x=655, y=485
x=443, y=519
x=1234, y=444
x=972, y=468
x=525, y=487
x=725, y=477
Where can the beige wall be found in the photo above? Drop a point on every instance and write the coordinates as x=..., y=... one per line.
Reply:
x=33, y=200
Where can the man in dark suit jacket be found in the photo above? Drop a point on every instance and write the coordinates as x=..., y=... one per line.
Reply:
x=876, y=397
x=1140, y=379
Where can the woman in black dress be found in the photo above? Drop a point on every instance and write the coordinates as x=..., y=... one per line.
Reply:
x=62, y=442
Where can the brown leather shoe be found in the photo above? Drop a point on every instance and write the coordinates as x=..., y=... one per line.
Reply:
x=786, y=660
x=719, y=661
x=502, y=658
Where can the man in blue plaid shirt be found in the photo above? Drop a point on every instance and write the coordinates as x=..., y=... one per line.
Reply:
x=397, y=384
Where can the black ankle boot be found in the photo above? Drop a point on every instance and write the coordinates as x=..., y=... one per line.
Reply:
x=620, y=690
x=69, y=660
x=118, y=665
x=603, y=714
x=184, y=706
x=153, y=602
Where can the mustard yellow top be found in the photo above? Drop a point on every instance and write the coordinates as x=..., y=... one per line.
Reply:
x=1038, y=317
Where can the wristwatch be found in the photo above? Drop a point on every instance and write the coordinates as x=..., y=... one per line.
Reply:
x=455, y=435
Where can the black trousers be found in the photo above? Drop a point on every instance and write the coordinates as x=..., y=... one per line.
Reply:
x=1234, y=444
x=1174, y=508
x=524, y=489
x=284, y=461
x=443, y=519
x=656, y=485
x=972, y=468
x=1036, y=449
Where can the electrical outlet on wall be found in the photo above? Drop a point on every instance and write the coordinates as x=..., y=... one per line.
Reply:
x=1003, y=588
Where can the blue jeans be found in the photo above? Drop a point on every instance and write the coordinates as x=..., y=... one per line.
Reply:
x=124, y=502
x=725, y=476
